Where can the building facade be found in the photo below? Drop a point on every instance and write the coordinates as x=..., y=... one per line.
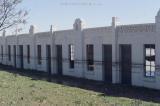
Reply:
x=126, y=54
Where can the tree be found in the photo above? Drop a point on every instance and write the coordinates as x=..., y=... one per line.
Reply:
x=10, y=14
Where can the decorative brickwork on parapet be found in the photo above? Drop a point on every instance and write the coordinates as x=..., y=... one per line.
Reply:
x=137, y=28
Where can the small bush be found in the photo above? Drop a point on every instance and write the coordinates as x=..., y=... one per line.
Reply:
x=40, y=99
x=32, y=85
x=77, y=102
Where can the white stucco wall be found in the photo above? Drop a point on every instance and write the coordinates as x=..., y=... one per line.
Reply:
x=137, y=39
x=65, y=38
x=3, y=44
x=10, y=40
x=136, y=35
x=98, y=37
x=26, y=39
x=43, y=39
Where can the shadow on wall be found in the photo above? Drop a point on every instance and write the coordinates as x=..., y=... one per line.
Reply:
x=139, y=93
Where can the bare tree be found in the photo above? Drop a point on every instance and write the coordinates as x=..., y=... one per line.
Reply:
x=10, y=14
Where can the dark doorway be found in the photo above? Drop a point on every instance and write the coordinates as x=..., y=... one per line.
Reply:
x=48, y=59
x=21, y=56
x=107, y=63
x=126, y=58
x=14, y=56
x=59, y=59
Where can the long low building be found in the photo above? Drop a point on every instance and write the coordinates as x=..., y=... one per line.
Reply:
x=126, y=54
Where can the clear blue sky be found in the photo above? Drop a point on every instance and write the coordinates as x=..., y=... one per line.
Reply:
x=62, y=13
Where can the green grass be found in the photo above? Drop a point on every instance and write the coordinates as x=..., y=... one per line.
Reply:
x=16, y=90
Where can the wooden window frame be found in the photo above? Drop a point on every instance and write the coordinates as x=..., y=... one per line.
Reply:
x=90, y=57
x=71, y=56
x=150, y=71
x=9, y=52
x=28, y=54
x=39, y=54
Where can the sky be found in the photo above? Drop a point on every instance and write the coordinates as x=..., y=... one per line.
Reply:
x=96, y=13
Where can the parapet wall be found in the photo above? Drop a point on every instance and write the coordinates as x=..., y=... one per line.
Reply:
x=151, y=27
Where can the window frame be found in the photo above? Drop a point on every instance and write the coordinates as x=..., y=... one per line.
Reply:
x=71, y=56
x=39, y=54
x=150, y=47
x=2, y=52
x=9, y=52
x=90, y=57
x=28, y=54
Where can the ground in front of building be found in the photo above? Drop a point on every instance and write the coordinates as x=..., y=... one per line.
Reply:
x=17, y=89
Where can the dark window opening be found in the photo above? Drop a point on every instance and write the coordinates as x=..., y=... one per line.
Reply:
x=39, y=54
x=149, y=60
x=59, y=59
x=2, y=52
x=14, y=55
x=28, y=54
x=90, y=57
x=9, y=52
x=21, y=56
x=71, y=55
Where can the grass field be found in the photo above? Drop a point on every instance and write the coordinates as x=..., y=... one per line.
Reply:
x=17, y=90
